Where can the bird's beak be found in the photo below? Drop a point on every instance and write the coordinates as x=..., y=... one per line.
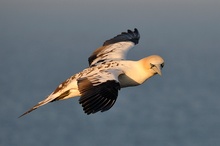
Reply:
x=157, y=69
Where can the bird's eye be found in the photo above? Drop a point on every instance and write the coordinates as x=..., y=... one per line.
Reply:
x=162, y=65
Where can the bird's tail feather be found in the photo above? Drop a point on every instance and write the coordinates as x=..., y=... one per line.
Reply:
x=50, y=98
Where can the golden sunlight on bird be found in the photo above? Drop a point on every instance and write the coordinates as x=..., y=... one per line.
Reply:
x=108, y=72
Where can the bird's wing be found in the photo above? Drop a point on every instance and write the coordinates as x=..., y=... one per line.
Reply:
x=99, y=91
x=115, y=48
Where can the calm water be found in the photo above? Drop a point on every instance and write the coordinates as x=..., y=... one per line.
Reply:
x=44, y=42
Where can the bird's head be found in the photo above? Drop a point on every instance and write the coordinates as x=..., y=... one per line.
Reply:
x=154, y=64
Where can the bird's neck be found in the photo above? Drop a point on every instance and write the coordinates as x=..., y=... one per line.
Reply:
x=135, y=74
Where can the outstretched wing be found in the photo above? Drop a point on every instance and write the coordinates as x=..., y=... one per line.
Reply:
x=115, y=48
x=99, y=91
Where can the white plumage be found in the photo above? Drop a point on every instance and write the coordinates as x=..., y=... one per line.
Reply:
x=108, y=72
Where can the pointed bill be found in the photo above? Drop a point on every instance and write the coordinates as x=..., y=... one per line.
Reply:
x=157, y=68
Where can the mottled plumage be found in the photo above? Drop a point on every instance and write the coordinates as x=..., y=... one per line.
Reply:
x=108, y=72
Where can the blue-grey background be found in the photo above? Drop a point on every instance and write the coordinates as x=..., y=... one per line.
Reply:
x=43, y=42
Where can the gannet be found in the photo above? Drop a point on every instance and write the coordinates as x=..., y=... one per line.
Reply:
x=108, y=72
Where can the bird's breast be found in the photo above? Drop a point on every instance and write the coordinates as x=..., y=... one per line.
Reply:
x=126, y=81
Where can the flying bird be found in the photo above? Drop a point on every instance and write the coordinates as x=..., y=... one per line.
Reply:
x=108, y=72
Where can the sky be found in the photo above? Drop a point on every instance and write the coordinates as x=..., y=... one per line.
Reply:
x=43, y=42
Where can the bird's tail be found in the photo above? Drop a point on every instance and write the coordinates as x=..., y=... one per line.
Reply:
x=50, y=98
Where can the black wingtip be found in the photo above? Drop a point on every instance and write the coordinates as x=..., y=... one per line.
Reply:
x=130, y=35
x=136, y=35
x=97, y=98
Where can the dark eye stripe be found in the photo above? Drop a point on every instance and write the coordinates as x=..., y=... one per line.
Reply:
x=152, y=65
